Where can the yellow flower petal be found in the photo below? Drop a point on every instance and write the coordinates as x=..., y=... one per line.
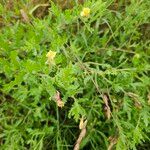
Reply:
x=85, y=12
x=50, y=57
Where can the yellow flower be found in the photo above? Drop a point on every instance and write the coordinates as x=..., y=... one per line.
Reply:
x=85, y=12
x=50, y=57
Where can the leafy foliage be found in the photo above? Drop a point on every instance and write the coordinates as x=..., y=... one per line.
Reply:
x=106, y=53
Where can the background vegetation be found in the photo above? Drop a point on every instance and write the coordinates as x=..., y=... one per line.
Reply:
x=101, y=71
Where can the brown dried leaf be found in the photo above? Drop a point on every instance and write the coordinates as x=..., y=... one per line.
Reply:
x=137, y=103
x=107, y=112
x=106, y=108
x=105, y=99
x=59, y=102
x=24, y=16
x=133, y=95
x=10, y=5
x=113, y=141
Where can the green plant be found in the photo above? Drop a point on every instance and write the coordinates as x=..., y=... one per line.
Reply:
x=101, y=72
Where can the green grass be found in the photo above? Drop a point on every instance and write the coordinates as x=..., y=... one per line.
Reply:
x=104, y=55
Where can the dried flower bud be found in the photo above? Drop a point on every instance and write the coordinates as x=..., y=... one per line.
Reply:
x=59, y=102
x=82, y=123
